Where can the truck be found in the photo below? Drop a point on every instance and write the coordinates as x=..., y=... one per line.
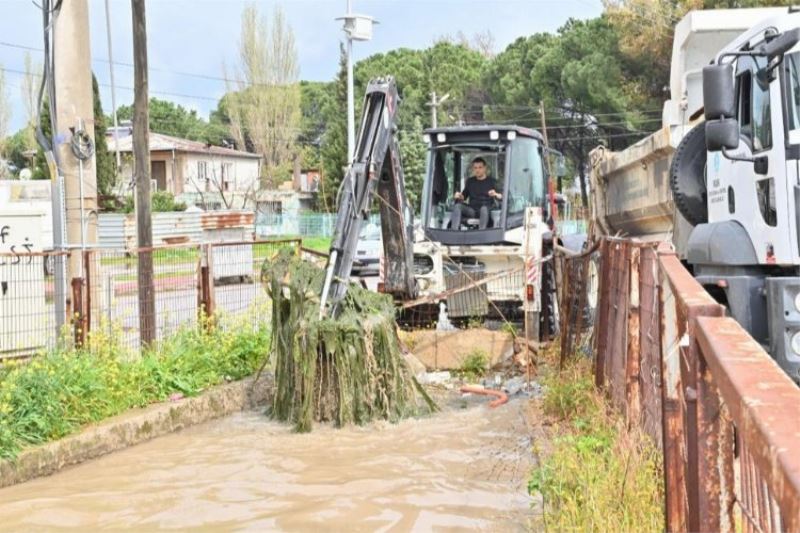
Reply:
x=721, y=179
x=425, y=258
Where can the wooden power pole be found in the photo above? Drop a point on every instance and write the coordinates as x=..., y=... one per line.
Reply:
x=141, y=166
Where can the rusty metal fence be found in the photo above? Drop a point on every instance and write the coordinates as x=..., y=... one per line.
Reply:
x=190, y=283
x=721, y=410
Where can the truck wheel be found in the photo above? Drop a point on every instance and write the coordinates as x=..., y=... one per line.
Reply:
x=687, y=176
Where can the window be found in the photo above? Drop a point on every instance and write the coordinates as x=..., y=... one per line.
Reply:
x=762, y=119
x=793, y=89
x=202, y=170
x=753, y=107
x=526, y=185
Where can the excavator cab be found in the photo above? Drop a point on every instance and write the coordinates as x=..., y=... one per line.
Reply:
x=513, y=157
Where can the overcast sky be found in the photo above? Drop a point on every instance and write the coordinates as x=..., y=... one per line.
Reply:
x=196, y=36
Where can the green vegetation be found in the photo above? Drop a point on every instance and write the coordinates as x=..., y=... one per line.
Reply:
x=474, y=365
x=55, y=394
x=347, y=369
x=166, y=256
x=597, y=475
x=162, y=202
x=320, y=244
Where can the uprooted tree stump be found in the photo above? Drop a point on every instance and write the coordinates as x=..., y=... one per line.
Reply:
x=347, y=369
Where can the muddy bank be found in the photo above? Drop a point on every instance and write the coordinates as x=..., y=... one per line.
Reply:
x=132, y=428
x=465, y=468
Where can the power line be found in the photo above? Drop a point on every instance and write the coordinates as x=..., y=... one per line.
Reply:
x=154, y=69
x=163, y=93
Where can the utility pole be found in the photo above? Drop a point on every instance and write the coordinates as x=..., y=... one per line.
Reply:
x=141, y=167
x=113, y=88
x=434, y=107
x=546, y=154
x=75, y=112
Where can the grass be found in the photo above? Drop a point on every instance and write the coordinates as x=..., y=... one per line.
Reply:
x=474, y=365
x=168, y=256
x=597, y=475
x=320, y=244
x=56, y=394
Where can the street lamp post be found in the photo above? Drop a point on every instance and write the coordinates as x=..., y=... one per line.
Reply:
x=357, y=28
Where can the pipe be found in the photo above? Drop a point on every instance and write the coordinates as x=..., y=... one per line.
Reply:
x=501, y=397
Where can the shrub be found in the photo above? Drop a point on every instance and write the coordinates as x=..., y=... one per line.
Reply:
x=56, y=393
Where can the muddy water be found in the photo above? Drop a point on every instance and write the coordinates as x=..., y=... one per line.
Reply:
x=461, y=469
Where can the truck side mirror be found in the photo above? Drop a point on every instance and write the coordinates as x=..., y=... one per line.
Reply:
x=780, y=44
x=722, y=134
x=719, y=96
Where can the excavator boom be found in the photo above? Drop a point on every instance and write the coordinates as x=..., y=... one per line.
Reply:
x=376, y=170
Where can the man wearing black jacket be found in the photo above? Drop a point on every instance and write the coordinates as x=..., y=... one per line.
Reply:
x=480, y=192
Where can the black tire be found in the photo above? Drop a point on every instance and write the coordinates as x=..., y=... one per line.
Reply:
x=687, y=176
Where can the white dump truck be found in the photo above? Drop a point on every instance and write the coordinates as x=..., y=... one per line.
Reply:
x=721, y=179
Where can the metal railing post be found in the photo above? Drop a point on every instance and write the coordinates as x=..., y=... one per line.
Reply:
x=78, y=314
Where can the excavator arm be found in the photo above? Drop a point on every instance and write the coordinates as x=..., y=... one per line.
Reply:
x=375, y=170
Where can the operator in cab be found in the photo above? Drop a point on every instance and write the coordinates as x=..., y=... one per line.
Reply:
x=480, y=193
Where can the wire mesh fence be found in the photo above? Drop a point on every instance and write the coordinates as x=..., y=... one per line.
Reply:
x=27, y=311
x=189, y=282
x=111, y=291
x=236, y=277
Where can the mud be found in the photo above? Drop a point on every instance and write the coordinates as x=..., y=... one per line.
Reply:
x=462, y=469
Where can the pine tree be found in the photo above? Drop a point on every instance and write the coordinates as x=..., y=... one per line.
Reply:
x=334, y=142
x=104, y=160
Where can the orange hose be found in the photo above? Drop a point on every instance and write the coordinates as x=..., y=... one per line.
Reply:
x=501, y=397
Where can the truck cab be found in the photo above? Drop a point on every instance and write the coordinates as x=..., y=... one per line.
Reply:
x=514, y=159
x=750, y=242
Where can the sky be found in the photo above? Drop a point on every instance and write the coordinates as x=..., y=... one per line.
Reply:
x=198, y=36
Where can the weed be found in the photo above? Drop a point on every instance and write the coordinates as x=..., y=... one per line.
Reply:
x=509, y=328
x=598, y=476
x=474, y=365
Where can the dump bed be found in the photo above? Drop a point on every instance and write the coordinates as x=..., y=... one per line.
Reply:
x=631, y=193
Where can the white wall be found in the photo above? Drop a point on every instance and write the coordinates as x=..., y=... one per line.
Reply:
x=244, y=172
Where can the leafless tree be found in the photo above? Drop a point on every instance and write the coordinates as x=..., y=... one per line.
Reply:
x=5, y=118
x=482, y=42
x=214, y=186
x=29, y=93
x=266, y=105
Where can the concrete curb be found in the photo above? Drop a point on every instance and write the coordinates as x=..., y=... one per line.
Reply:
x=133, y=427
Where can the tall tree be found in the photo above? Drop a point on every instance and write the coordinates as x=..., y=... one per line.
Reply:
x=413, y=151
x=173, y=119
x=29, y=90
x=267, y=101
x=104, y=160
x=334, y=140
x=5, y=117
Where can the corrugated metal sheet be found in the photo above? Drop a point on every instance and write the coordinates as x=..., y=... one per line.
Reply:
x=174, y=225
x=227, y=219
x=119, y=231
x=111, y=230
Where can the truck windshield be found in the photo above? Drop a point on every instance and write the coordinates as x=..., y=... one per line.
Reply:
x=793, y=89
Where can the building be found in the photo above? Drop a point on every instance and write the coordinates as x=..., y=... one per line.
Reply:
x=197, y=173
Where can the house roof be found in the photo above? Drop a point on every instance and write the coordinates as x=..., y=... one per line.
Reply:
x=160, y=142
